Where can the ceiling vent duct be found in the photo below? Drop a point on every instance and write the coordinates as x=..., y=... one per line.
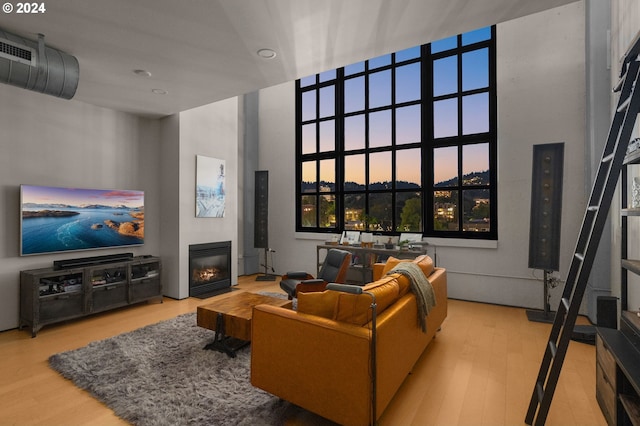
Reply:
x=32, y=65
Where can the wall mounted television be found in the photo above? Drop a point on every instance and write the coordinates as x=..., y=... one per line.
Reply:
x=56, y=219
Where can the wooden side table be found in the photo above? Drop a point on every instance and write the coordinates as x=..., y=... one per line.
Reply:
x=230, y=318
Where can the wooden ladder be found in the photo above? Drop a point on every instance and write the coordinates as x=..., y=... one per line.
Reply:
x=592, y=226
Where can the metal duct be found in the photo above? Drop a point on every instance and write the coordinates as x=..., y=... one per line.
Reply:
x=32, y=65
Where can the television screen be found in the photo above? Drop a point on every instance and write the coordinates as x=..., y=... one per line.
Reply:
x=66, y=219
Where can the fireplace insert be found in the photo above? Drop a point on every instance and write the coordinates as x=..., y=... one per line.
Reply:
x=209, y=269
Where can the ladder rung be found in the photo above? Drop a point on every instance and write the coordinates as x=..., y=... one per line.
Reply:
x=607, y=158
x=579, y=256
x=539, y=391
x=618, y=86
x=593, y=208
x=623, y=106
x=565, y=302
x=553, y=348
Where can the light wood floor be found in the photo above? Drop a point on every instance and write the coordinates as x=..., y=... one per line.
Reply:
x=479, y=370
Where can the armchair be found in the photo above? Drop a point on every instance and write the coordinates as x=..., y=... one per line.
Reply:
x=333, y=270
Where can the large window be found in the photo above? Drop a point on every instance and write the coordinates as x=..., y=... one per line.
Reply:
x=404, y=142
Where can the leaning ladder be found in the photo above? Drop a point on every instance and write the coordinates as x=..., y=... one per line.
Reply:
x=592, y=225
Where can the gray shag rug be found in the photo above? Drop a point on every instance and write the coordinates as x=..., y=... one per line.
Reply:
x=161, y=375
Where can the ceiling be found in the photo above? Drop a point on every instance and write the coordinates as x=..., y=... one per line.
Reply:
x=202, y=51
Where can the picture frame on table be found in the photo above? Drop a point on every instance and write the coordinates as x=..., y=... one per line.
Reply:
x=350, y=238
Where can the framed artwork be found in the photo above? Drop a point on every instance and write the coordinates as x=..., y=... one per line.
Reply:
x=210, y=187
x=412, y=238
x=350, y=237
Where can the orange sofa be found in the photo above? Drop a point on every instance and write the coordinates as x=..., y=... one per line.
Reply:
x=319, y=356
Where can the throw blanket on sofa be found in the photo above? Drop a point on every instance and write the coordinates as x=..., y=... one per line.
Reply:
x=421, y=287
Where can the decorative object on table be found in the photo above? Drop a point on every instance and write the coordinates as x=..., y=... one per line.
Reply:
x=350, y=238
x=406, y=238
x=160, y=375
x=366, y=239
x=635, y=194
x=210, y=187
x=389, y=244
x=335, y=239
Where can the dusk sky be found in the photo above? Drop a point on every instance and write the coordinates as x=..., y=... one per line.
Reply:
x=74, y=196
x=475, y=114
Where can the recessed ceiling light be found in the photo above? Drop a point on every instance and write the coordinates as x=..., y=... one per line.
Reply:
x=142, y=73
x=266, y=53
x=159, y=91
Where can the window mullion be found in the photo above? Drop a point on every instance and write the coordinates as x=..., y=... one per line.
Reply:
x=340, y=150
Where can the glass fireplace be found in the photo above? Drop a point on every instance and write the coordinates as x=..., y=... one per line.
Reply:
x=209, y=269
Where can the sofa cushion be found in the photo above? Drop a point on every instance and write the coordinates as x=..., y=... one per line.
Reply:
x=356, y=308
x=423, y=261
x=322, y=303
x=404, y=284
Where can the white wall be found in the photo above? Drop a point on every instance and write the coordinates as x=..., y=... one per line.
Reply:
x=541, y=96
x=211, y=131
x=49, y=141
x=541, y=99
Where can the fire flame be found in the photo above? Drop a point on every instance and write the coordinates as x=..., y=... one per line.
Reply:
x=206, y=274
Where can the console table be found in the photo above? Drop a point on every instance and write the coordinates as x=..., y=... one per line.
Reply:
x=363, y=258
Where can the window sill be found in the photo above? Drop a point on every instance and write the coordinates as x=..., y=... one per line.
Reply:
x=316, y=236
x=436, y=242
x=461, y=242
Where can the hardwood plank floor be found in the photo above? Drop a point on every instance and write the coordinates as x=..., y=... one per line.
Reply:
x=479, y=370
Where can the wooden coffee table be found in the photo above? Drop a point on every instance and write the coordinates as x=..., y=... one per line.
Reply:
x=230, y=318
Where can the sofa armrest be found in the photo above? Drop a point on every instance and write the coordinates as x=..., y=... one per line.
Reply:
x=378, y=267
x=297, y=275
x=307, y=286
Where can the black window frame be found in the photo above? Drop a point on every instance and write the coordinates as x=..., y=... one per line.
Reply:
x=428, y=143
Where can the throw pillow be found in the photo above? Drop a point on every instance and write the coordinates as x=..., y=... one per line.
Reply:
x=425, y=263
x=391, y=263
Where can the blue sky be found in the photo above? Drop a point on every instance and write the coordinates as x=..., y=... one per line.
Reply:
x=475, y=113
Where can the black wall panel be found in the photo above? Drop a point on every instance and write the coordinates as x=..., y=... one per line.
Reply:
x=261, y=228
x=546, y=206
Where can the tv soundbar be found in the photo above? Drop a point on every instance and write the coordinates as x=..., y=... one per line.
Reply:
x=88, y=261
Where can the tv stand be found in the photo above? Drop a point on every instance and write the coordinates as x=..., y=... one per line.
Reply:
x=52, y=295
